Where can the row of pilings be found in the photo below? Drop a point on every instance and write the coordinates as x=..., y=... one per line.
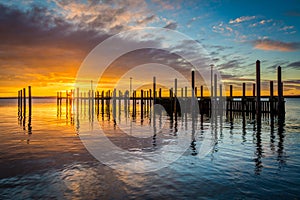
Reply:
x=24, y=108
x=255, y=106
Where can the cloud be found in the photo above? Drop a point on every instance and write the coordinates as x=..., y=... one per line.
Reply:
x=189, y=23
x=272, y=45
x=106, y=15
x=35, y=28
x=171, y=25
x=223, y=29
x=232, y=64
x=241, y=19
x=285, y=28
x=147, y=20
x=276, y=64
x=166, y=5
x=262, y=22
x=294, y=65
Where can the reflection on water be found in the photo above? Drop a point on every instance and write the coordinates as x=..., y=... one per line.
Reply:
x=43, y=157
x=129, y=119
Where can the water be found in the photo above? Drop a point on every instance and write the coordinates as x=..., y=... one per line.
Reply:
x=50, y=161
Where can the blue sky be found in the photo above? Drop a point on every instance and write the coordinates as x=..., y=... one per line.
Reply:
x=234, y=33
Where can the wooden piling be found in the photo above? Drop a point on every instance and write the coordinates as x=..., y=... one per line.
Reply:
x=201, y=91
x=142, y=105
x=244, y=97
x=193, y=84
x=175, y=96
x=154, y=90
x=19, y=103
x=230, y=105
x=159, y=93
x=29, y=101
x=271, y=99
x=280, y=93
x=258, y=103
x=215, y=85
x=24, y=102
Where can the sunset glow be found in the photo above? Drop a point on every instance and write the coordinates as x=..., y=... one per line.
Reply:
x=43, y=43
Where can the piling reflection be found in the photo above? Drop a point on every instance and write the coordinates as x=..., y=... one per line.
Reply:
x=116, y=112
x=281, y=158
x=259, y=150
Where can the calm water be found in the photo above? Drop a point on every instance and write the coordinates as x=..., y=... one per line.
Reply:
x=50, y=162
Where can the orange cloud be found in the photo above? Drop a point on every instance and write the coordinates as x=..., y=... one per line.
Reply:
x=272, y=45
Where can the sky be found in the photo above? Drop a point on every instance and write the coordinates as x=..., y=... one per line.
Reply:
x=44, y=42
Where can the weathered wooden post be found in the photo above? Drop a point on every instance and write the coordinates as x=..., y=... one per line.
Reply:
x=159, y=93
x=175, y=96
x=150, y=97
x=193, y=83
x=57, y=98
x=29, y=110
x=121, y=96
x=185, y=99
x=221, y=100
x=67, y=103
x=102, y=98
x=215, y=85
x=154, y=90
x=133, y=103
x=60, y=95
x=19, y=103
x=231, y=99
x=253, y=102
x=114, y=104
x=201, y=91
x=29, y=101
x=244, y=97
x=147, y=102
x=271, y=99
x=211, y=82
x=280, y=109
x=193, y=93
x=142, y=105
x=24, y=102
x=214, y=104
x=258, y=102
